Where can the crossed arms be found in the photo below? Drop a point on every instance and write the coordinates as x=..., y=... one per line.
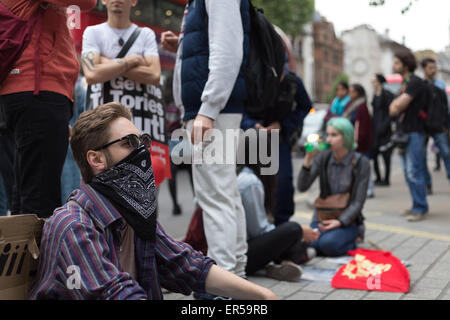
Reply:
x=97, y=69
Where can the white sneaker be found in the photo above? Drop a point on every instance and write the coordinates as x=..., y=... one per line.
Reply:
x=311, y=253
x=284, y=271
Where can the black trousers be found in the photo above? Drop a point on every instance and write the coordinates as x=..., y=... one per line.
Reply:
x=387, y=164
x=282, y=243
x=39, y=134
x=7, y=163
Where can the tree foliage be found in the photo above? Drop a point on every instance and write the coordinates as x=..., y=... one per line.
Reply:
x=382, y=2
x=289, y=15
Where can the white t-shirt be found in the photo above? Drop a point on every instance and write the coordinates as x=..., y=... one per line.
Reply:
x=104, y=39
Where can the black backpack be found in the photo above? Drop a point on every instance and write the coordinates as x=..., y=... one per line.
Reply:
x=264, y=67
x=285, y=102
x=436, y=110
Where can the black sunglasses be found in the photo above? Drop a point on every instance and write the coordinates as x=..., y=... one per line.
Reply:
x=133, y=141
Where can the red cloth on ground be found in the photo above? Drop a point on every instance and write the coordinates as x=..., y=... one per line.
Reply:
x=372, y=270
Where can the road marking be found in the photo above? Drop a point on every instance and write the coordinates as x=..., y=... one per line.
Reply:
x=384, y=227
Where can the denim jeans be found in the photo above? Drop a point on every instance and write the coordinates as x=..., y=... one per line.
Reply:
x=71, y=176
x=414, y=168
x=442, y=143
x=335, y=242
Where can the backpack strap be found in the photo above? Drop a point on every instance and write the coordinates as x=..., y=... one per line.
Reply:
x=129, y=43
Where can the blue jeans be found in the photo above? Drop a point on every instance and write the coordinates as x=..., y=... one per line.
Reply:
x=335, y=242
x=442, y=143
x=71, y=176
x=414, y=168
x=3, y=198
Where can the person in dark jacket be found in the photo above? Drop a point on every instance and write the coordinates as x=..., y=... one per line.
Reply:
x=382, y=129
x=341, y=170
x=299, y=106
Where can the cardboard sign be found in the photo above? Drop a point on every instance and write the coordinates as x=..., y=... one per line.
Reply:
x=146, y=104
x=20, y=236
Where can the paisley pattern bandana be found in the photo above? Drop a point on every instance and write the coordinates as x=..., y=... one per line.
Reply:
x=130, y=186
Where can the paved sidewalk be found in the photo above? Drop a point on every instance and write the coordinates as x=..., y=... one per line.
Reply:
x=424, y=245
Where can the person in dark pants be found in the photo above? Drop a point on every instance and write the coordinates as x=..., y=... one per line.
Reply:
x=382, y=129
x=40, y=137
x=36, y=102
x=6, y=165
x=285, y=244
x=300, y=105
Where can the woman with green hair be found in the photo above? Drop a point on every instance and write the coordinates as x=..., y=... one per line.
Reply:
x=343, y=173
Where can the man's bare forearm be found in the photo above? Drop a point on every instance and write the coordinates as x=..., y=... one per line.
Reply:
x=102, y=72
x=145, y=75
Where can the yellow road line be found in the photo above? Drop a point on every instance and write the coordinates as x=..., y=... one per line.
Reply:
x=384, y=227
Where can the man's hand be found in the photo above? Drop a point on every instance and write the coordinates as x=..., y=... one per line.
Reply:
x=273, y=126
x=135, y=60
x=169, y=41
x=309, y=234
x=200, y=126
x=328, y=225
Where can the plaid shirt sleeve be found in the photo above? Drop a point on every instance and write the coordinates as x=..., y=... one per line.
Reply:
x=181, y=269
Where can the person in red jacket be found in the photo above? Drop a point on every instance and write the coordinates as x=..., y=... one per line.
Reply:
x=37, y=105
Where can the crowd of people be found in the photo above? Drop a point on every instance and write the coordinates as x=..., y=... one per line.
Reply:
x=404, y=120
x=99, y=195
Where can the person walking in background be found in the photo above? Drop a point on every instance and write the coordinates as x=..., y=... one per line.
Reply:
x=339, y=103
x=37, y=104
x=409, y=106
x=210, y=85
x=436, y=124
x=358, y=113
x=174, y=121
x=341, y=171
x=382, y=129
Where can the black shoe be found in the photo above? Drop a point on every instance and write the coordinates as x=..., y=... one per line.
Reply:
x=176, y=210
x=429, y=190
x=377, y=182
x=436, y=169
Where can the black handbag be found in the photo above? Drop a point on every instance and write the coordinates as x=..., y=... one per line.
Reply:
x=400, y=139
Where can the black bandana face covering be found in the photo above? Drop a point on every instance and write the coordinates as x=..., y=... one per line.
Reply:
x=130, y=186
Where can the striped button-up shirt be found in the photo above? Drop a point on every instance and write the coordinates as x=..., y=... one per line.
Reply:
x=79, y=256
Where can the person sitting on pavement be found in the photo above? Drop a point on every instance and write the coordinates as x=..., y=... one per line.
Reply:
x=341, y=170
x=285, y=244
x=105, y=242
